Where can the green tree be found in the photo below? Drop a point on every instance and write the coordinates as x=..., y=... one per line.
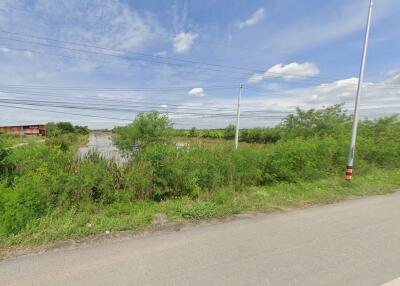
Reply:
x=65, y=127
x=146, y=129
x=52, y=130
x=229, y=132
x=308, y=123
x=84, y=130
x=192, y=132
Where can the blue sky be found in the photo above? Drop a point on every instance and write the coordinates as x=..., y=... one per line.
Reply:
x=290, y=54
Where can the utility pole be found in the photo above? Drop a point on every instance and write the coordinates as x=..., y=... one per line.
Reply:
x=349, y=168
x=238, y=116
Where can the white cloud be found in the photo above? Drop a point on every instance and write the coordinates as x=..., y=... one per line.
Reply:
x=255, y=18
x=183, y=42
x=288, y=72
x=378, y=98
x=4, y=50
x=197, y=91
x=28, y=54
x=160, y=54
x=395, y=79
x=392, y=72
x=255, y=78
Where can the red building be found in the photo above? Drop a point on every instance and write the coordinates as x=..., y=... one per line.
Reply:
x=24, y=130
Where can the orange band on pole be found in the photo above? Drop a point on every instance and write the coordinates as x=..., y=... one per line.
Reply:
x=349, y=173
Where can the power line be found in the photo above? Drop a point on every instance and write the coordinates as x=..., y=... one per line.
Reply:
x=135, y=103
x=273, y=76
x=69, y=106
x=126, y=52
x=111, y=62
x=53, y=111
x=168, y=104
x=117, y=56
x=301, y=79
x=227, y=69
x=248, y=70
x=92, y=88
x=122, y=106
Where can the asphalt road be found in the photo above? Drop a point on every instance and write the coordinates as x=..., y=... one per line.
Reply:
x=352, y=243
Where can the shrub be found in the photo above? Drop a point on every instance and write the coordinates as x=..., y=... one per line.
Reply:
x=192, y=132
x=303, y=159
x=63, y=141
x=3, y=154
x=229, y=132
x=27, y=202
x=260, y=135
x=94, y=180
x=59, y=128
x=83, y=130
x=211, y=168
x=146, y=129
x=309, y=123
x=39, y=178
x=65, y=127
x=170, y=177
x=248, y=167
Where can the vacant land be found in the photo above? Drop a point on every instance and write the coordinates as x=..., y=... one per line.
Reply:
x=47, y=194
x=350, y=243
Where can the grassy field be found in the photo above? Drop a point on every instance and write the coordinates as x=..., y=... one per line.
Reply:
x=211, y=142
x=47, y=195
x=93, y=219
x=10, y=141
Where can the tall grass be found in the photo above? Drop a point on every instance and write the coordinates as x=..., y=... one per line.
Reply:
x=41, y=181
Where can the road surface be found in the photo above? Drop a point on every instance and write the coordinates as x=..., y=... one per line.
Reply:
x=352, y=243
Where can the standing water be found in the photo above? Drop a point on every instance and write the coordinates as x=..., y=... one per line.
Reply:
x=102, y=144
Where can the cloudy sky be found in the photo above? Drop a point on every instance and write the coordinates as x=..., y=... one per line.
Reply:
x=98, y=63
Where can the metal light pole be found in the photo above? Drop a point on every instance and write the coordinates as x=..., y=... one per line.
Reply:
x=349, y=168
x=238, y=116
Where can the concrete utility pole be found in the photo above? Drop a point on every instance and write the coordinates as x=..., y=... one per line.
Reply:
x=238, y=116
x=349, y=168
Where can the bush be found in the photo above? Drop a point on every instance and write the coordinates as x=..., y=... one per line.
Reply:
x=27, y=202
x=229, y=132
x=83, y=130
x=248, y=167
x=192, y=132
x=93, y=180
x=304, y=159
x=65, y=127
x=170, y=177
x=309, y=123
x=59, y=128
x=63, y=141
x=260, y=135
x=146, y=129
x=39, y=178
x=3, y=155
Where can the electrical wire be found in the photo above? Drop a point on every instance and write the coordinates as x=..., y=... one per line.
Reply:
x=82, y=107
x=229, y=67
x=273, y=75
x=236, y=78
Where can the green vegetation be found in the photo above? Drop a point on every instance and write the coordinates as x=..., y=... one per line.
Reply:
x=47, y=194
x=329, y=121
x=59, y=128
x=64, y=134
x=145, y=130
